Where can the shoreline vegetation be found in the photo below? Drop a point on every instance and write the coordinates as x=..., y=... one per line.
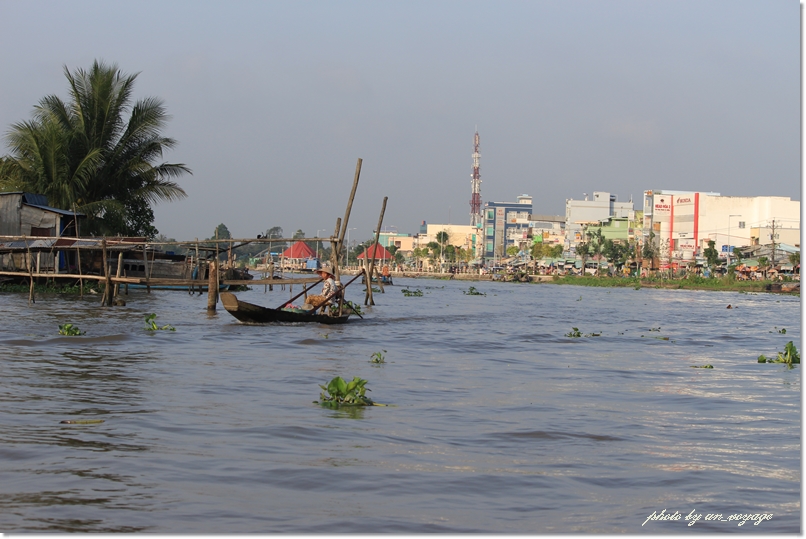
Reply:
x=726, y=283
x=723, y=284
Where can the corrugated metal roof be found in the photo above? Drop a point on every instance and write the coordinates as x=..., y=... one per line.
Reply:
x=55, y=210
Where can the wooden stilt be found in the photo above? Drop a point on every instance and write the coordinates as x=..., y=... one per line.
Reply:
x=31, y=298
x=107, y=297
x=117, y=274
x=80, y=279
x=368, y=300
x=145, y=267
x=212, y=289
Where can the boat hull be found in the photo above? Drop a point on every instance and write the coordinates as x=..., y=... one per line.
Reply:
x=250, y=313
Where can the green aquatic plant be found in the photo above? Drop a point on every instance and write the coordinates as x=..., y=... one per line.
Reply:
x=378, y=357
x=70, y=330
x=374, y=289
x=575, y=333
x=473, y=292
x=151, y=324
x=409, y=293
x=341, y=393
x=701, y=366
x=789, y=356
x=347, y=305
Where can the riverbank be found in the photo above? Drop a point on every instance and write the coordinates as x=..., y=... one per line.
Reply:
x=726, y=284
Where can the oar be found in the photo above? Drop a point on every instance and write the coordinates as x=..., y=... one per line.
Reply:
x=336, y=292
x=354, y=310
x=304, y=290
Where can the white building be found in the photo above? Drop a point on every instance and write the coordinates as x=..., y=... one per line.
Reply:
x=683, y=222
x=578, y=213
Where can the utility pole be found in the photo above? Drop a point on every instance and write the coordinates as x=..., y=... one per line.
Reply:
x=772, y=253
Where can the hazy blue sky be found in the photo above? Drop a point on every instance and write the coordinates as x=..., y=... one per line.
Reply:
x=273, y=102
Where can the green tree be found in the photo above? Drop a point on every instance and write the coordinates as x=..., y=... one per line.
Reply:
x=595, y=245
x=616, y=252
x=794, y=258
x=85, y=155
x=583, y=249
x=650, y=250
x=222, y=231
x=276, y=232
x=442, y=237
x=298, y=235
x=763, y=264
x=711, y=254
x=419, y=253
x=512, y=250
x=538, y=250
x=556, y=251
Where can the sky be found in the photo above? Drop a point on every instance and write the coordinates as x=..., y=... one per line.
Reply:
x=273, y=102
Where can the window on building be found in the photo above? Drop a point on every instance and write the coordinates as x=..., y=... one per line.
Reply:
x=47, y=232
x=741, y=224
x=490, y=214
x=490, y=231
x=489, y=246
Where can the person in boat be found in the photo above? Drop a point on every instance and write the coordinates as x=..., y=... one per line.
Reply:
x=329, y=286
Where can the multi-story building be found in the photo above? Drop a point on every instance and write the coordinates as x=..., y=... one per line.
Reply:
x=547, y=229
x=463, y=236
x=403, y=242
x=506, y=224
x=582, y=213
x=683, y=222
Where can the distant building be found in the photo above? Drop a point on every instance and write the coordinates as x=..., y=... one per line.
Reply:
x=547, y=229
x=683, y=222
x=463, y=236
x=403, y=242
x=582, y=213
x=506, y=224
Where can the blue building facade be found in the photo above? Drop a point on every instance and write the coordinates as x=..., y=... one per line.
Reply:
x=505, y=224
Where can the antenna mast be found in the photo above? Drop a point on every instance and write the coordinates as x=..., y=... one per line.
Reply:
x=475, y=186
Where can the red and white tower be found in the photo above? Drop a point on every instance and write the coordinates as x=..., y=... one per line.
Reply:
x=475, y=186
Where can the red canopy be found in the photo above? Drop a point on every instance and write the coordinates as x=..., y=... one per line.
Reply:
x=299, y=250
x=380, y=253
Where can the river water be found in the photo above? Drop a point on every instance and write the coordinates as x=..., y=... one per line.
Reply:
x=500, y=423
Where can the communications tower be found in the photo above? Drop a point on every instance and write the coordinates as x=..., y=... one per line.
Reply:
x=475, y=186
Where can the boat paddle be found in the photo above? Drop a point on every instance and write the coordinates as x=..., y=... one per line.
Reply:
x=304, y=290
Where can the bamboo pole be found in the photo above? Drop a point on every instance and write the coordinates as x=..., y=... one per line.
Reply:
x=80, y=277
x=212, y=289
x=117, y=274
x=216, y=267
x=31, y=298
x=335, y=248
x=107, y=290
x=368, y=300
x=145, y=266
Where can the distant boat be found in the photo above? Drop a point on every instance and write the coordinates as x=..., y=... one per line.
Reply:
x=168, y=266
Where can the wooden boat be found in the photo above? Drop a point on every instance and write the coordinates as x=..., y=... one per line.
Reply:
x=255, y=314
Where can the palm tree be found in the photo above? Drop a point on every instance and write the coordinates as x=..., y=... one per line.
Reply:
x=87, y=157
x=763, y=264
